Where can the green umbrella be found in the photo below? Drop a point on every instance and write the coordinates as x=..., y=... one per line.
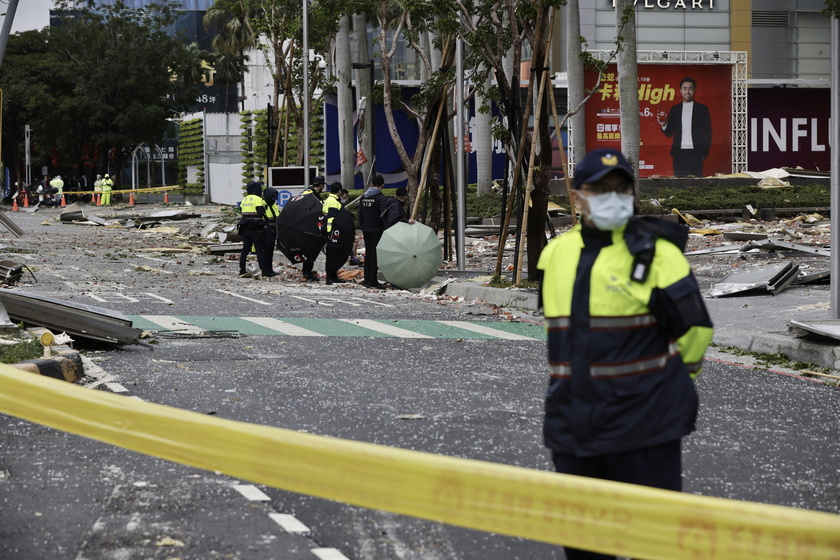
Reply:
x=409, y=254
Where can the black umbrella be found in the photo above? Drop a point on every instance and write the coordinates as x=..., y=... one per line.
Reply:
x=343, y=232
x=301, y=231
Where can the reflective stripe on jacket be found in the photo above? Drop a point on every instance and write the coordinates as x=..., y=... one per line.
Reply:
x=620, y=351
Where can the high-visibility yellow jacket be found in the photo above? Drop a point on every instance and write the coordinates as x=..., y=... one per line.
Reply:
x=627, y=330
x=331, y=205
x=252, y=206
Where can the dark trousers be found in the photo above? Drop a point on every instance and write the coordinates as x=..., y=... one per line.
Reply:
x=335, y=260
x=249, y=240
x=269, y=241
x=688, y=163
x=371, y=269
x=659, y=466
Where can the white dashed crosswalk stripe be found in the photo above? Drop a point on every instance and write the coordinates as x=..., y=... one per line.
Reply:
x=174, y=324
x=251, y=493
x=282, y=326
x=481, y=329
x=290, y=523
x=385, y=328
x=328, y=554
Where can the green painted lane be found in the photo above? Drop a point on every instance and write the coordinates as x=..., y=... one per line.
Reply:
x=297, y=326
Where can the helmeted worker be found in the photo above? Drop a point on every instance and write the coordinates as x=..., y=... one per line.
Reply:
x=252, y=227
x=336, y=257
x=627, y=331
x=57, y=183
x=107, y=185
x=318, y=184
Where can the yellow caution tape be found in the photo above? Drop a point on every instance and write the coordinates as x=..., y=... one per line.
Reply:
x=609, y=517
x=137, y=191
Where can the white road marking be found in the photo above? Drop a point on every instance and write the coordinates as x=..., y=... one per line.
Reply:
x=116, y=388
x=371, y=301
x=174, y=324
x=290, y=523
x=282, y=326
x=251, y=493
x=162, y=299
x=312, y=301
x=342, y=301
x=106, y=297
x=486, y=330
x=328, y=554
x=243, y=297
x=384, y=328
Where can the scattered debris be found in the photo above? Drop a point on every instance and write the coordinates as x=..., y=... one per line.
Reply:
x=772, y=279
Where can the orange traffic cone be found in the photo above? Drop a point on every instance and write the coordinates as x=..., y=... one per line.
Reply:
x=131, y=199
x=99, y=200
x=166, y=197
x=63, y=201
x=26, y=201
x=14, y=205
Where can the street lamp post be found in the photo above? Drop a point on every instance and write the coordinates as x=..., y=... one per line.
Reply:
x=371, y=147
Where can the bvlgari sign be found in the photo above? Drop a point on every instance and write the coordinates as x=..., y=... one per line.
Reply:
x=674, y=4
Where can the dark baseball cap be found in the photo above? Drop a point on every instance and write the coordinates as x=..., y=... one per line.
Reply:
x=319, y=180
x=597, y=163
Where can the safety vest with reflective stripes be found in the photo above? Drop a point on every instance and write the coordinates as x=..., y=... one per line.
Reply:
x=620, y=351
x=271, y=212
x=331, y=203
x=249, y=206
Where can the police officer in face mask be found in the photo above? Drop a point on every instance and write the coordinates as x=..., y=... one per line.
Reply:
x=627, y=331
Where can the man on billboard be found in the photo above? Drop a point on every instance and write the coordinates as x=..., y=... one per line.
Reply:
x=690, y=126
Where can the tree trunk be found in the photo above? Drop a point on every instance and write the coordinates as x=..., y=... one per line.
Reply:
x=577, y=144
x=483, y=142
x=363, y=90
x=345, y=103
x=628, y=83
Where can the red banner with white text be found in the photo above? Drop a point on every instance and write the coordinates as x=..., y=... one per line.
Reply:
x=659, y=96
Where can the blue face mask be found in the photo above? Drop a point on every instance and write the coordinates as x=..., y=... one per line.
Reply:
x=609, y=211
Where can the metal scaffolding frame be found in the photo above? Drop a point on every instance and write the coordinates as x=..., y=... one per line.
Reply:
x=736, y=59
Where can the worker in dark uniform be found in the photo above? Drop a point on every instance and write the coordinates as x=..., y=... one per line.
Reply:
x=396, y=209
x=627, y=331
x=372, y=209
x=272, y=210
x=252, y=227
x=318, y=184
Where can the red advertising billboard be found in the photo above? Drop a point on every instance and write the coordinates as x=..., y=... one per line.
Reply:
x=705, y=148
x=789, y=127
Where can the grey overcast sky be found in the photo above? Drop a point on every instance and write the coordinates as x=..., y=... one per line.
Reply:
x=30, y=14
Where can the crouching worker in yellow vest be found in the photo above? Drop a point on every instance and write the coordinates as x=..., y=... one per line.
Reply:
x=627, y=331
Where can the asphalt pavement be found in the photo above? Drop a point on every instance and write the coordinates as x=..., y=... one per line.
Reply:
x=761, y=436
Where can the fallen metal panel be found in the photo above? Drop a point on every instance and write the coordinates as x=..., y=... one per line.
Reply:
x=225, y=248
x=772, y=244
x=813, y=277
x=10, y=225
x=76, y=319
x=743, y=236
x=773, y=279
x=828, y=328
x=783, y=280
x=713, y=250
